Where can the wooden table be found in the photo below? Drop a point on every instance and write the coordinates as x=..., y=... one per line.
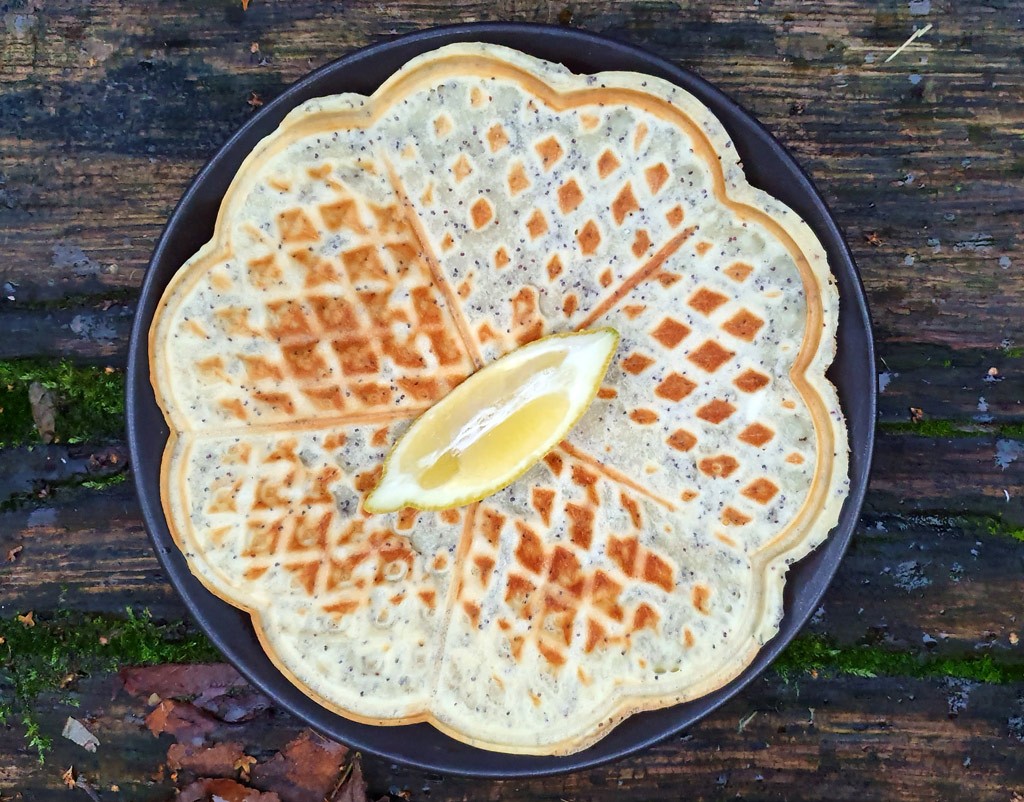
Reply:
x=910, y=681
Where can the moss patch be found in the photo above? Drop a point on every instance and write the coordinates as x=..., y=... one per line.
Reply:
x=975, y=525
x=104, y=482
x=937, y=427
x=817, y=655
x=51, y=654
x=90, y=401
x=1012, y=431
x=927, y=428
x=997, y=526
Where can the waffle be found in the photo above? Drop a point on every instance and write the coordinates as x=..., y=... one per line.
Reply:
x=371, y=254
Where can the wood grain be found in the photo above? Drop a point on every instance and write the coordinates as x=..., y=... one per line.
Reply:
x=107, y=110
x=904, y=150
x=916, y=568
x=842, y=739
x=945, y=383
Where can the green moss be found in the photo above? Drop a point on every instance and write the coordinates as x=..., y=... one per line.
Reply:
x=941, y=523
x=48, y=656
x=90, y=401
x=814, y=653
x=925, y=428
x=978, y=133
x=1013, y=431
x=1016, y=352
x=937, y=427
x=106, y=481
x=997, y=526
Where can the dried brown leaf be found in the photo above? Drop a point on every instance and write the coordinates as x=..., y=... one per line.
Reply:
x=305, y=770
x=181, y=680
x=68, y=777
x=214, y=687
x=27, y=620
x=219, y=760
x=12, y=553
x=44, y=411
x=185, y=722
x=223, y=789
x=244, y=764
x=234, y=707
x=156, y=721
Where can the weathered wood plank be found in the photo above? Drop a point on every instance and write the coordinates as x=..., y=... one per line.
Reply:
x=97, y=333
x=81, y=226
x=950, y=384
x=88, y=551
x=31, y=474
x=878, y=739
x=928, y=585
x=917, y=570
x=978, y=475
x=913, y=151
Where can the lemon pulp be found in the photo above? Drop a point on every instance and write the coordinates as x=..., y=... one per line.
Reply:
x=495, y=425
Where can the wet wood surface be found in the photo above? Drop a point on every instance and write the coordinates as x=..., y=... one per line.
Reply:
x=108, y=109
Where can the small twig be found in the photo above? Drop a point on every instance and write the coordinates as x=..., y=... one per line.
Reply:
x=345, y=772
x=917, y=34
x=82, y=783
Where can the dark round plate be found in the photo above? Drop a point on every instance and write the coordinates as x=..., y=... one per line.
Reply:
x=767, y=165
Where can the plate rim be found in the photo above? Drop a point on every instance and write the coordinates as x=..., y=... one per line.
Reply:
x=485, y=763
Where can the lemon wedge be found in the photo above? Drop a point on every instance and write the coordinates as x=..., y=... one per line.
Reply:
x=490, y=429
